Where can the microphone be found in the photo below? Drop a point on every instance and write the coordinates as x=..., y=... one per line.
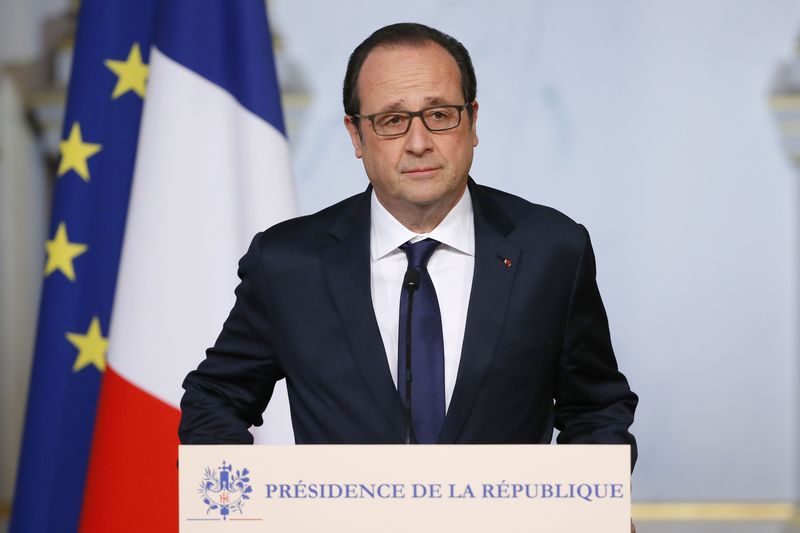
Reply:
x=411, y=284
x=411, y=279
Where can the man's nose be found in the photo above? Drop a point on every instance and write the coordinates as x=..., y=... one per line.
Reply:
x=418, y=138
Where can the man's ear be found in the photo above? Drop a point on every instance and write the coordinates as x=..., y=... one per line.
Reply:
x=355, y=134
x=474, y=124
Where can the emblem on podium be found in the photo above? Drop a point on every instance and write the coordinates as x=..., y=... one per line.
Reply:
x=225, y=490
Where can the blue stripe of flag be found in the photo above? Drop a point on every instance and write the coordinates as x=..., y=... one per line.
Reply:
x=226, y=42
x=61, y=402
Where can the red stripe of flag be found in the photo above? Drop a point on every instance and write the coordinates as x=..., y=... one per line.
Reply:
x=133, y=474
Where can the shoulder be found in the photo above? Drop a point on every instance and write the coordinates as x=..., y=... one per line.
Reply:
x=528, y=221
x=319, y=221
x=314, y=230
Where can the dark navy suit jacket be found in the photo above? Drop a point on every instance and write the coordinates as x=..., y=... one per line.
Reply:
x=536, y=351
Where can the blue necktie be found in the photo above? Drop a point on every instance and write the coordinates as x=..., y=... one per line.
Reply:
x=427, y=348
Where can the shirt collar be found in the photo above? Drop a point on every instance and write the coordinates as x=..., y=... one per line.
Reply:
x=456, y=231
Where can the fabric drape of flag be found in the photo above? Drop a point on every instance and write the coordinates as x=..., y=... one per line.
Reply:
x=82, y=255
x=211, y=169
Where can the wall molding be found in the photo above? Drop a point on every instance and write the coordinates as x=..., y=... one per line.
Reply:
x=715, y=512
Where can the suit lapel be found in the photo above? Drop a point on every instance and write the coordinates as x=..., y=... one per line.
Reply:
x=489, y=298
x=347, y=270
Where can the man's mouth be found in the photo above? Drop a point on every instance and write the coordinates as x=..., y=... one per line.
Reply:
x=420, y=171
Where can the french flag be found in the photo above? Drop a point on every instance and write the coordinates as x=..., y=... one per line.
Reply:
x=211, y=169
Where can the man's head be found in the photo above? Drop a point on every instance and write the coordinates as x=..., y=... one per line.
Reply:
x=410, y=68
x=406, y=34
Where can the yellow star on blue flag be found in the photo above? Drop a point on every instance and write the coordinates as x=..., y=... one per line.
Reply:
x=131, y=73
x=92, y=347
x=75, y=153
x=61, y=253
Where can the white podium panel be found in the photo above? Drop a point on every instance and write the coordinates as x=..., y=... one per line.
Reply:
x=508, y=488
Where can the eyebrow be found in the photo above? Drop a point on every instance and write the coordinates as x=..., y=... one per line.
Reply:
x=400, y=105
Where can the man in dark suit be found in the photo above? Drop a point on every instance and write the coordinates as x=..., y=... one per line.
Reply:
x=510, y=338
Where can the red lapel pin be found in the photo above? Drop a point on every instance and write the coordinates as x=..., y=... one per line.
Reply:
x=507, y=263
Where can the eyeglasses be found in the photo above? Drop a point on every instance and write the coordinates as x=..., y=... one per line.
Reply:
x=396, y=123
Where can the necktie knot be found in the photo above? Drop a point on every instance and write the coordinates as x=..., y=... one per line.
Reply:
x=418, y=253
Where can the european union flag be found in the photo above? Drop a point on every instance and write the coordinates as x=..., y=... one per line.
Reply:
x=101, y=127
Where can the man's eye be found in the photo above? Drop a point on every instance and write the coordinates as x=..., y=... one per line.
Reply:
x=391, y=120
x=439, y=114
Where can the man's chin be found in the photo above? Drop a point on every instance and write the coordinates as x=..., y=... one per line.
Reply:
x=434, y=198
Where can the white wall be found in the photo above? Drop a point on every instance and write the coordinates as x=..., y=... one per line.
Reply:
x=649, y=122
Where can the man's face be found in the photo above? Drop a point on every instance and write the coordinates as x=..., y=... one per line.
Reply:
x=421, y=170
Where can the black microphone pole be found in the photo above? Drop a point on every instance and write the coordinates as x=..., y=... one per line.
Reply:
x=410, y=283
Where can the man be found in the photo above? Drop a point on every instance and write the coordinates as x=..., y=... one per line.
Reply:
x=509, y=335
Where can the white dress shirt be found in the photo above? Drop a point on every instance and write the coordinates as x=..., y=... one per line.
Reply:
x=451, y=267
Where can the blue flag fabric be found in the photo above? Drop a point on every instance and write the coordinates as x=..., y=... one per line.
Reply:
x=100, y=132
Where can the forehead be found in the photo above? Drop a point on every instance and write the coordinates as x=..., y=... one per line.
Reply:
x=408, y=77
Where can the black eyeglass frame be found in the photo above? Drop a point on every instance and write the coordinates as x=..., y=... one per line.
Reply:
x=411, y=115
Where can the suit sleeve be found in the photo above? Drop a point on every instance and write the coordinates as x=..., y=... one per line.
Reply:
x=230, y=389
x=593, y=402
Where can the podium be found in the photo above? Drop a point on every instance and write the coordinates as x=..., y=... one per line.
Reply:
x=397, y=488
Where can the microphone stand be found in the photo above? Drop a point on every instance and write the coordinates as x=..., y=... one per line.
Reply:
x=410, y=283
